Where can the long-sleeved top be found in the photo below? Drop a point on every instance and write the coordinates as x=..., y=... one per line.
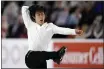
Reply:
x=40, y=36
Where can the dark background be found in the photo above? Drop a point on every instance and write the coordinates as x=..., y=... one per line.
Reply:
x=85, y=15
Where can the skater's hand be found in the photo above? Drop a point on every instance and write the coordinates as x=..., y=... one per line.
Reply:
x=79, y=32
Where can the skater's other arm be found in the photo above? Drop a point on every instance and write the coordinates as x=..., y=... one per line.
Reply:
x=66, y=31
x=26, y=17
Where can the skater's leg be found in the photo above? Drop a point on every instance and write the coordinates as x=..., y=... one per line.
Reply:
x=42, y=65
x=50, y=55
x=36, y=58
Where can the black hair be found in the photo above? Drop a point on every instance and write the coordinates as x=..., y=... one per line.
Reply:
x=33, y=9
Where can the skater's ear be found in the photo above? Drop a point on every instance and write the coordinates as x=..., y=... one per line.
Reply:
x=33, y=17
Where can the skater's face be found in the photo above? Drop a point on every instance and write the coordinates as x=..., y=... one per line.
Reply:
x=39, y=17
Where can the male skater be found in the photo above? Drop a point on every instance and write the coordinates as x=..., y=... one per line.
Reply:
x=39, y=35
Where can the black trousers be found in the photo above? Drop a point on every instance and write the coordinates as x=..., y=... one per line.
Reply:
x=37, y=59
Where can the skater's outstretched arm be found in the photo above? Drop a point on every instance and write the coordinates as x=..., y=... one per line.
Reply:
x=66, y=31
